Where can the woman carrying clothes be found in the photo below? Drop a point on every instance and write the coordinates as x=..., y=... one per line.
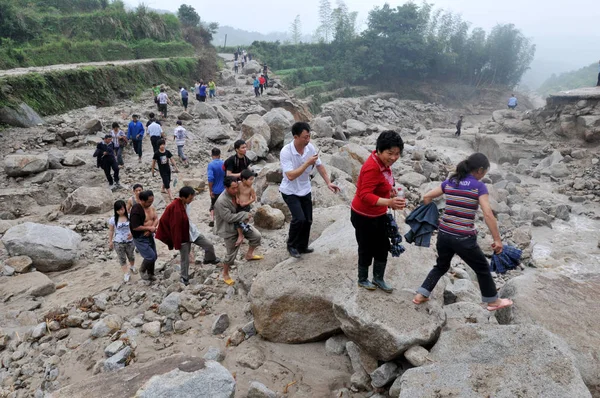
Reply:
x=374, y=194
x=457, y=234
x=119, y=238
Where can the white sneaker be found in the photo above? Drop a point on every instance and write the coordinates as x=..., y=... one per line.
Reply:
x=126, y=277
x=133, y=270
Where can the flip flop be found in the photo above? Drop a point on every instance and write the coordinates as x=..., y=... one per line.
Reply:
x=420, y=302
x=255, y=258
x=229, y=281
x=505, y=303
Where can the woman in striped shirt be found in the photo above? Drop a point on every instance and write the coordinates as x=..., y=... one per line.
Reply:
x=457, y=234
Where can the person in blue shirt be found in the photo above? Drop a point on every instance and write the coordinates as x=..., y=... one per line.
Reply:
x=184, y=97
x=202, y=91
x=256, y=85
x=135, y=134
x=512, y=102
x=216, y=176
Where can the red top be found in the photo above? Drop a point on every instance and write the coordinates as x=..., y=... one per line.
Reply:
x=262, y=80
x=374, y=181
x=174, y=226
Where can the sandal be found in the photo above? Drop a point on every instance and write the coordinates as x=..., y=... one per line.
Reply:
x=418, y=302
x=503, y=304
x=229, y=281
x=255, y=258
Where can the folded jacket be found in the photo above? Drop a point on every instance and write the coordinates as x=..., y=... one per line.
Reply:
x=422, y=221
x=508, y=259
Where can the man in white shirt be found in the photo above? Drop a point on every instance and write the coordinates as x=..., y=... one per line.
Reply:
x=298, y=159
x=155, y=132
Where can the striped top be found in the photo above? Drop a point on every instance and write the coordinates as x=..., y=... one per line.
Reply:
x=462, y=203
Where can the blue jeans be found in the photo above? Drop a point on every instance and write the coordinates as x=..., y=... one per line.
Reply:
x=147, y=248
x=120, y=155
x=180, y=153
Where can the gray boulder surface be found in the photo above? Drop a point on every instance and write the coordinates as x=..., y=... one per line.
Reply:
x=88, y=200
x=50, y=248
x=24, y=165
x=20, y=116
x=280, y=121
x=32, y=283
x=204, y=111
x=256, y=125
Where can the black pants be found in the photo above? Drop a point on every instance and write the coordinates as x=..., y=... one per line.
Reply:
x=107, y=165
x=184, y=102
x=469, y=251
x=261, y=89
x=372, y=239
x=166, y=178
x=301, y=209
x=154, y=141
x=163, y=109
x=137, y=147
x=457, y=132
x=598, y=84
x=256, y=91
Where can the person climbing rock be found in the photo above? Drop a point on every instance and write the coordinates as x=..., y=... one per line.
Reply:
x=512, y=102
x=465, y=193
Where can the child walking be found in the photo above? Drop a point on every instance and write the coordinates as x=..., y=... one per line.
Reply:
x=245, y=197
x=164, y=157
x=120, y=239
x=180, y=134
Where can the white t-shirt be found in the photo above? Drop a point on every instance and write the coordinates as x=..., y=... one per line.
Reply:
x=116, y=137
x=163, y=98
x=154, y=130
x=291, y=160
x=180, y=135
x=121, y=231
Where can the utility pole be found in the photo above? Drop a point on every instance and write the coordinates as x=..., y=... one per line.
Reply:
x=225, y=44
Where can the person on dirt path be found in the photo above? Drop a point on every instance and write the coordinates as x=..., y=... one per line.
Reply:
x=459, y=126
x=163, y=157
x=163, y=100
x=212, y=89
x=465, y=193
x=178, y=232
x=121, y=240
x=216, y=174
x=184, y=98
x=262, y=81
x=119, y=141
x=298, y=159
x=235, y=164
x=226, y=216
x=156, y=133
x=155, y=92
x=135, y=134
x=143, y=223
x=179, y=136
x=512, y=102
x=107, y=160
x=203, y=88
x=235, y=66
x=135, y=198
x=256, y=85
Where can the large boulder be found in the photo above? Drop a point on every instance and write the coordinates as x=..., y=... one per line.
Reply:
x=227, y=78
x=280, y=122
x=252, y=67
x=253, y=125
x=355, y=127
x=350, y=159
x=204, y=111
x=565, y=306
x=32, y=283
x=88, y=200
x=322, y=127
x=24, y=165
x=296, y=302
x=258, y=145
x=50, y=248
x=225, y=116
x=268, y=217
x=412, y=179
x=91, y=126
x=496, y=361
x=20, y=116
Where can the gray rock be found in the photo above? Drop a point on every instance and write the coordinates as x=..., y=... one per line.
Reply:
x=253, y=358
x=20, y=116
x=280, y=121
x=227, y=78
x=24, y=165
x=152, y=329
x=417, y=355
x=465, y=357
x=258, y=145
x=461, y=290
x=355, y=127
x=459, y=314
x=259, y=390
x=170, y=305
x=336, y=344
x=35, y=284
x=190, y=303
x=322, y=127
x=107, y=325
x=252, y=67
x=256, y=125
x=268, y=217
x=113, y=348
x=225, y=116
x=204, y=111
x=88, y=200
x=412, y=179
x=360, y=381
x=185, y=116
x=431, y=155
x=214, y=354
x=360, y=360
x=7, y=270
x=39, y=331
x=71, y=159
x=384, y=374
x=220, y=324
x=118, y=361
x=50, y=248
x=210, y=381
x=92, y=126
x=249, y=329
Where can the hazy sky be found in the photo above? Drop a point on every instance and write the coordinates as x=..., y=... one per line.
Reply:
x=566, y=32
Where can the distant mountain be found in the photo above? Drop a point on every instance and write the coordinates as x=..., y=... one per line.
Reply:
x=239, y=37
x=584, y=77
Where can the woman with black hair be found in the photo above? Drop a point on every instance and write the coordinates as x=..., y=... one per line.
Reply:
x=457, y=234
x=375, y=192
x=119, y=238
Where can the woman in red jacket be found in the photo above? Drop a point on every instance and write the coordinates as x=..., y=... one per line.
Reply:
x=375, y=192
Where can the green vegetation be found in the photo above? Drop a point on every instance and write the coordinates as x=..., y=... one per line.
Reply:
x=405, y=43
x=584, y=77
x=46, y=32
x=60, y=91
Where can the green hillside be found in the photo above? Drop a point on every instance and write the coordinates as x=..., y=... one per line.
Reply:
x=46, y=32
x=584, y=77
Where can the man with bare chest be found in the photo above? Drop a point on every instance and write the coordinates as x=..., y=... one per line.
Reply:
x=143, y=222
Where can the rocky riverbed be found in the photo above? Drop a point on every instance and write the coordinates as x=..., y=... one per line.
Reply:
x=301, y=328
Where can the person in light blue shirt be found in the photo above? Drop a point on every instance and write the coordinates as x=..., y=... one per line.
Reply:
x=512, y=102
x=256, y=85
x=216, y=177
x=135, y=134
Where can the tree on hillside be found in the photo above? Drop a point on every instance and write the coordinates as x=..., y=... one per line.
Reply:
x=188, y=16
x=510, y=54
x=344, y=23
x=296, y=30
x=325, y=29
